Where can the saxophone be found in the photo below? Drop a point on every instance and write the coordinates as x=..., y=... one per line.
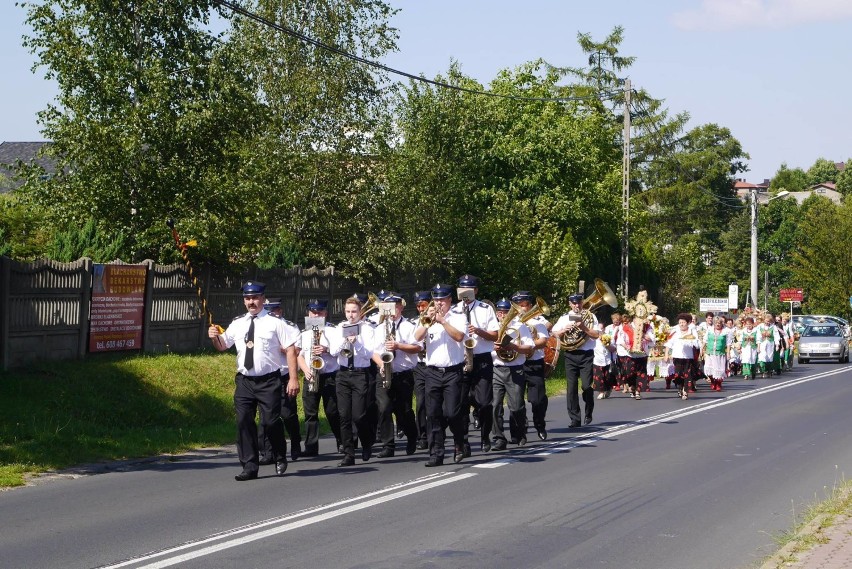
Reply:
x=387, y=357
x=469, y=344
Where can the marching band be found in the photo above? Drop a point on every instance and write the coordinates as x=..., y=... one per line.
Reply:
x=471, y=353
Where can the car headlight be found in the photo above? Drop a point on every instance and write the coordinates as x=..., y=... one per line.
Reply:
x=834, y=346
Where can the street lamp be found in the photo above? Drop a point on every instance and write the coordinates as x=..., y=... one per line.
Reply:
x=753, y=193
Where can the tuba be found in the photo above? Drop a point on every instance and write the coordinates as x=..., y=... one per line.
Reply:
x=540, y=307
x=505, y=335
x=574, y=338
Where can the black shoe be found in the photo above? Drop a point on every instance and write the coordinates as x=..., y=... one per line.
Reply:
x=466, y=450
x=475, y=422
x=410, y=446
x=312, y=452
x=281, y=467
x=458, y=453
x=542, y=433
x=522, y=442
x=434, y=461
x=347, y=461
x=400, y=433
x=295, y=451
x=264, y=460
x=498, y=445
x=588, y=420
x=246, y=475
x=574, y=424
x=485, y=447
x=385, y=453
x=422, y=445
x=366, y=453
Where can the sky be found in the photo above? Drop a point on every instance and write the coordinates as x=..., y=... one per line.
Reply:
x=774, y=72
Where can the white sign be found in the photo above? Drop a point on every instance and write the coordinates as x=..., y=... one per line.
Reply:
x=713, y=304
x=733, y=296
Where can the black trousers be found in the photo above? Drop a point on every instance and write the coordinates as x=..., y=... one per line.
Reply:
x=249, y=394
x=536, y=391
x=396, y=402
x=352, y=400
x=443, y=407
x=509, y=383
x=290, y=418
x=327, y=394
x=479, y=384
x=578, y=368
x=420, y=400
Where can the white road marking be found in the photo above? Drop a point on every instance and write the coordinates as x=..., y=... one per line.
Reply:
x=430, y=481
x=320, y=513
x=496, y=463
x=591, y=438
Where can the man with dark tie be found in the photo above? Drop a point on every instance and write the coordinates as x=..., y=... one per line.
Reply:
x=263, y=342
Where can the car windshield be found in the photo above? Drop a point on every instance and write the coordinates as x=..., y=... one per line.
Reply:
x=823, y=331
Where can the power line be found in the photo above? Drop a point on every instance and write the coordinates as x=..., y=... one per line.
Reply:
x=376, y=65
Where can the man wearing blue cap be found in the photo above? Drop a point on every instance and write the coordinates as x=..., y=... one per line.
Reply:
x=421, y=303
x=289, y=407
x=262, y=343
x=534, y=366
x=395, y=341
x=579, y=361
x=443, y=333
x=481, y=327
x=324, y=378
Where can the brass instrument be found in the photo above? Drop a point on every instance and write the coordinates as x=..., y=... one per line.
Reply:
x=574, y=337
x=371, y=305
x=469, y=343
x=540, y=308
x=390, y=336
x=425, y=319
x=314, y=325
x=505, y=335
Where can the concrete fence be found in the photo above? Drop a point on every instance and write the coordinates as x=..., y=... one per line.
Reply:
x=44, y=305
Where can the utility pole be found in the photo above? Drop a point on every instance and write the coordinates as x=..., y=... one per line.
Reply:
x=625, y=194
x=753, y=193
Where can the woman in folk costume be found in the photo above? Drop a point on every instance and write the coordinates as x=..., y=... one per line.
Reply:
x=734, y=362
x=792, y=336
x=715, y=351
x=601, y=363
x=768, y=342
x=749, y=348
x=681, y=348
x=633, y=342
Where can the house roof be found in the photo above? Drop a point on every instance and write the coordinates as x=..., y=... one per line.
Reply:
x=27, y=152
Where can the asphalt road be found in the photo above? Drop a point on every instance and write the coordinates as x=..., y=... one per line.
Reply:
x=657, y=483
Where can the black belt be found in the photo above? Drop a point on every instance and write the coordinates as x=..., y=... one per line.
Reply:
x=353, y=368
x=456, y=367
x=261, y=377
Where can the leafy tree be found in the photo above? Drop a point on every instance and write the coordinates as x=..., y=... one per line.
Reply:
x=22, y=230
x=792, y=180
x=86, y=241
x=822, y=261
x=844, y=179
x=150, y=110
x=823, y=170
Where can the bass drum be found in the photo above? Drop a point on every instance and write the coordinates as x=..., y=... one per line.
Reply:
x=551, y=355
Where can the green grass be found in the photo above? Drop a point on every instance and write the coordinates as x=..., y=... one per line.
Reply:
x=114, y=407
x=809, y=526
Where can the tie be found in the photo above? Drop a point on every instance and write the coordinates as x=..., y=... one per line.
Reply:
x=352, y=356
x=249, y=359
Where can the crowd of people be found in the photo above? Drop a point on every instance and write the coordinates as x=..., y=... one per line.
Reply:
x=461, y=361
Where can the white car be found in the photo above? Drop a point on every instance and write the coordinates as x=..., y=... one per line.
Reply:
x=823, y=341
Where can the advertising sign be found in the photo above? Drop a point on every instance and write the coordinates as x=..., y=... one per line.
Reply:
x=733, y=296
x=713, y=304
x=118, y=307
x=791, y=295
